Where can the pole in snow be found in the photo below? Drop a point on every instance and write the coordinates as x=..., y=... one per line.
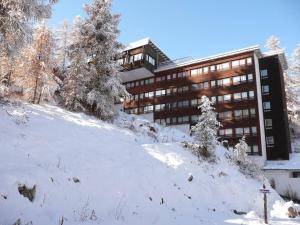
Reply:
x=265, y=192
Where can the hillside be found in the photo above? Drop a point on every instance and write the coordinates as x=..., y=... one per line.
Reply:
x=131, y=172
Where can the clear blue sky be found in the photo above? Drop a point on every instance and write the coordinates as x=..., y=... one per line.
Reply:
x=200, y=28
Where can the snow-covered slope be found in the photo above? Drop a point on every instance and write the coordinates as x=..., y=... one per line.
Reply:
x=131, y=172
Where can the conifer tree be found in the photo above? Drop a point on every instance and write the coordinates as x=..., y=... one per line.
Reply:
x=206, y=129
x=273, y=43
x=62, y=39
x=16, y=17
x=240, y=151
x=74, y=89
x=98, y=45
x=34, y=72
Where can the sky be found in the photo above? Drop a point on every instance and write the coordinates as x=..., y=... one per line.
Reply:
x=199, y=28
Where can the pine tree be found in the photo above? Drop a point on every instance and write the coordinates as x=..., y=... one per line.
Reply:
x=16, y=17
x=98, y=41
x=206, y=129
x=240, y=151
x=74, y=89
x=273, y=43
x=292, y=85
x=34, y=72
x=62, y=39
x=15, y=20
x=295, y=62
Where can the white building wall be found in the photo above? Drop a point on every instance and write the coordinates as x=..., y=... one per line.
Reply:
x=283, y=181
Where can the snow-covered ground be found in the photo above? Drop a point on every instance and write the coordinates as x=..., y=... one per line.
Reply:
x=130, y=173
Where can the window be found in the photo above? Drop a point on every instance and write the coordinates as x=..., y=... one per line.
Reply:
x=264, y=74
x=196, y=72
x=212, y=68
x=236, y=80
x=205, y=70
x=174, y=90
x=168, y=91
x=195, y=102
x=251, y=94
x=160, y=93
x=295, y=174
x=249, y=61
x=244, y=95
x=149, y=81
x=265, y=89
x=168, y=120
x=206, y=85
x=213, y=83
x=270, y=140
x=180, y=75
x=138, y=57
x=219, y=82
x=227, y=98
x=239, y=132
x=250, y=77
x=226, y=81
x=174, y=75
x=183, y=89
x=174, y=120
x=245, y=113
x=268, y=123
x=224, y=98
x=149, y=94
x=227, y=115
x=255, y=148
x=267, y=106
x=241, y=113
x=246, y=130
x=252, y=112
x=183, y=119
x=150, y=59
x=183, y=104
x=253, y=131
x=237, y=97
x=237, y=63
x=223, y=66
x=148, y=108
x=142, y=82
x=194, y=86
x=169, y=77
x=226, y=132
x=160, y=107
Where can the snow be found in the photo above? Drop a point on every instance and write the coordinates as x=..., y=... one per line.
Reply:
x=131, y=172
x=137, y=44
x=292, y=164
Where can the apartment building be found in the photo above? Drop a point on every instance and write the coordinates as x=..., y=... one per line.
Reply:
x=246, y=86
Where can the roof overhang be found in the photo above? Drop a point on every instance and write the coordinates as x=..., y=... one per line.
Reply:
x=213, y=57
x=281, y=55
x=143, y=42
x=136, y=74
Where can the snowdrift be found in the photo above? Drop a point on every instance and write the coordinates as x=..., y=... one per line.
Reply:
x=132, y=172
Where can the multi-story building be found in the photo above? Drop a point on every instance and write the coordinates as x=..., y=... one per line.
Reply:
x=246, y=86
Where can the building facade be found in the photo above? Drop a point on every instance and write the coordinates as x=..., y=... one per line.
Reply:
x=246, y=86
